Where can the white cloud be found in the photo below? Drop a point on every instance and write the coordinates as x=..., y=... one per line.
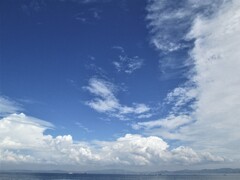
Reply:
x=125, y=63
x=171, y=122
x=119, y=48
x=8, y=106
x=136, y=109
x=101, y=88
x=152, y=151
x=105, y=100
x=169, y=21
x=181, y=95
x=185, y=154
x=142, y=116
x=93, y=1
x=24, y=125
x=83, y=127
x=89, y=16
x=216, y=58
x=23, y=141
x=211, y=96
x=133, y=150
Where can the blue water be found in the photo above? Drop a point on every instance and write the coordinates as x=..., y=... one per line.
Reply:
x=52, y=176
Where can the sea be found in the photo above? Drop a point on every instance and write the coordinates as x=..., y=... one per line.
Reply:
x=60, y=176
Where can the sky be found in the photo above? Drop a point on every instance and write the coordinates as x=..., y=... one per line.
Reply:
x=114, y=84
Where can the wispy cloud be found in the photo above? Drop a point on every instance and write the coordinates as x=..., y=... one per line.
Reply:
x=87, y=1
x=83, y=127
x=125, y=63
x=210, y=99
x=105, y=100
x=89, y=16
x=169, y=22
x=33, y=6
x=171, y=123
x=93, y=1
x=7, y=106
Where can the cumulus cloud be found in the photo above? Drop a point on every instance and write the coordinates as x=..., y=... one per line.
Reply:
x=30, y=126
x=125, y=63
x=23, y=141
x=211, y=96
x=209, y=127
x=105, y=100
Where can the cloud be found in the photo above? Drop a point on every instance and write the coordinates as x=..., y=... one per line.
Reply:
x=87, y=1
x=105, y=101
x=94, y=1
x=88, y=16
x=33, y=6
x=169, y=22
x=83, y=127
x=23, y=141
x=24, y=125
x=136, y=109
x=171, y=122
x=211, y=95
x=217, y=78
x=125, y=63
x=8, y=106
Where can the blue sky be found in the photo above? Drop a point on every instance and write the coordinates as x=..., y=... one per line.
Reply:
x=56, y=54
x=134, y=81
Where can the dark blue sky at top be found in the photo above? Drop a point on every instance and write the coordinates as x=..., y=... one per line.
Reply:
x=50, y=50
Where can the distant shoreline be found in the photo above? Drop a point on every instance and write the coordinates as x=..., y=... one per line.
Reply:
x=221, y=171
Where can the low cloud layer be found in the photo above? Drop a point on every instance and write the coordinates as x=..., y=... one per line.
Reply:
x=23, y=141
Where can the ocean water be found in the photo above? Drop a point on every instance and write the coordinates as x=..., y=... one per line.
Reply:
x=53, y=176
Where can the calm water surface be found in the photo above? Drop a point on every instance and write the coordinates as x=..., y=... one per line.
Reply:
x=52, y=176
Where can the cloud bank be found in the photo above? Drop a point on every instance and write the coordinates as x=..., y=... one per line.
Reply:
x=205, y=109
x=23, y=142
